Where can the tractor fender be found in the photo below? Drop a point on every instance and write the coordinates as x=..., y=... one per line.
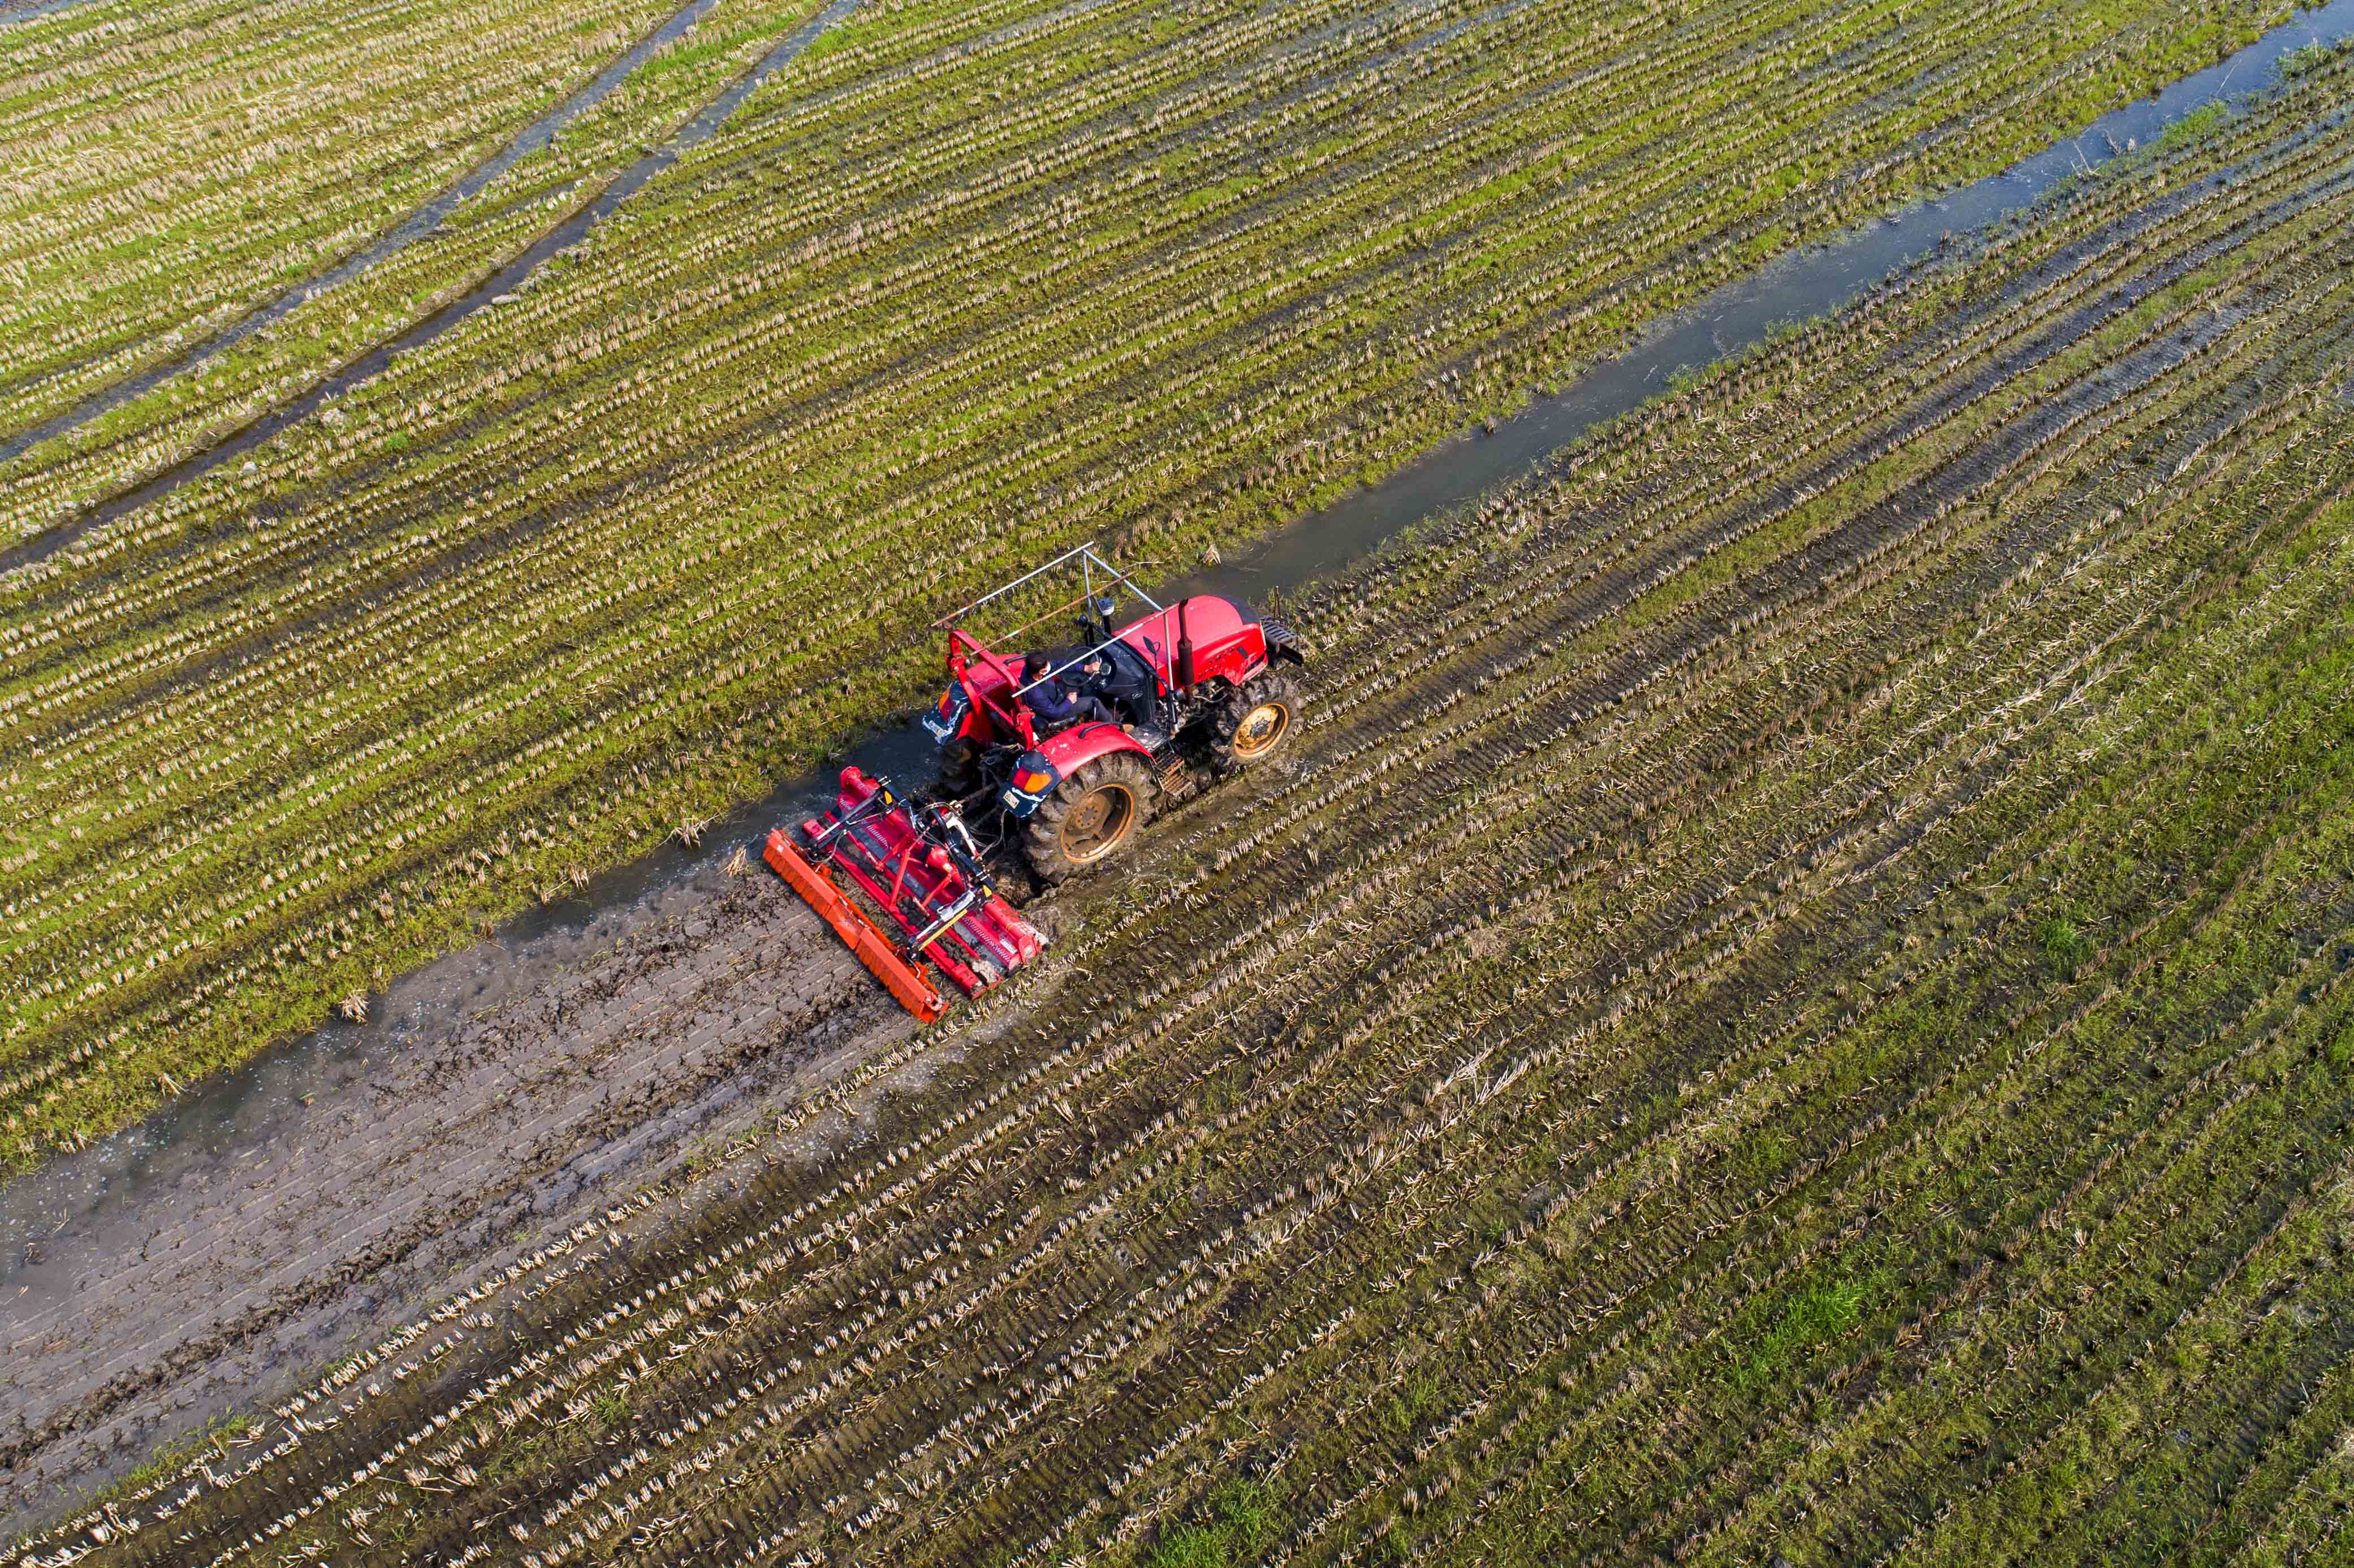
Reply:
x=1072, y=750
x=1059, y=756
x=951, y=716
x=962, y=712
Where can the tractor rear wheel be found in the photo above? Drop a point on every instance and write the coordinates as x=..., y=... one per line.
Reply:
x=960, y=767
x=1089, y=818
x=1254, y=722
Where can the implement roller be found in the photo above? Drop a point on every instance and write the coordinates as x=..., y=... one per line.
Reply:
x=916, y=861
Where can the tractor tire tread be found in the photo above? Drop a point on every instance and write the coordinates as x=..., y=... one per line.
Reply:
x=1042, y=835
x=1270, y=684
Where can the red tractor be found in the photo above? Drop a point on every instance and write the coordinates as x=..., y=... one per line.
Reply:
x=1064, y=753
x=1205, y=675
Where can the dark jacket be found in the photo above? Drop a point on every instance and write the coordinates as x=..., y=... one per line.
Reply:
x=1127, y=685
x=1058, y=703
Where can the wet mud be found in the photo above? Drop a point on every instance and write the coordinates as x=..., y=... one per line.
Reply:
x=263, y=1243
x=25, y=10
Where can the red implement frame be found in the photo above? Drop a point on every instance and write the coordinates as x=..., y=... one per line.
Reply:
x=906, y=865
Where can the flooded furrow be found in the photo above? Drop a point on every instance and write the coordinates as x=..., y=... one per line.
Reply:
x=30, y=10
x=485, y=295
x=417, y=225
x=1787, y=290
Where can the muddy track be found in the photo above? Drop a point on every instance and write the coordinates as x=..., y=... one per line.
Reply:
x=436, y=1164
x=1677, y=753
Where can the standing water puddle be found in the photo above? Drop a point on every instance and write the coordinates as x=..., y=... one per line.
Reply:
x=60, y=1211
x=25, y=10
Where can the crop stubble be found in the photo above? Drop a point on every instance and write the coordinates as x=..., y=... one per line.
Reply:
x=1795, y=1002
x=416, y=1166
x=172, y=167
x=514, y=607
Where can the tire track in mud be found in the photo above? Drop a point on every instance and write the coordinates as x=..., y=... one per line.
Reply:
x=546, y=1098
x=2093, y=396
x=417, y=225
x=579, y=219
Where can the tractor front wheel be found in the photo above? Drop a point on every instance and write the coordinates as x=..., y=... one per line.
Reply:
x=1089, y=818
x=1254, y=722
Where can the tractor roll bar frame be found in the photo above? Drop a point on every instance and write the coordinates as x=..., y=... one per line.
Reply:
x=1090, y=564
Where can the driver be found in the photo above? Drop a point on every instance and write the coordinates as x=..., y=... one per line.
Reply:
x=1067, y=696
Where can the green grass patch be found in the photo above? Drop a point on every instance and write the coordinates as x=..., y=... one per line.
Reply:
x=1783, y=1335
x=1237, y=1524
x=2062, y=939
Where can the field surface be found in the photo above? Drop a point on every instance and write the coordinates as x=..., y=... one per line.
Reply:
x=255, y=1256
x=170, y=171
x=957, y=284
x=1794, y=1004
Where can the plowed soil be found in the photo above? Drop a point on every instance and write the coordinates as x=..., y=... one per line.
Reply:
x=435, y=1165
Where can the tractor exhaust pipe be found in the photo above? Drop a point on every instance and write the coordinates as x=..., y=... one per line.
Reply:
x=1185, y=648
